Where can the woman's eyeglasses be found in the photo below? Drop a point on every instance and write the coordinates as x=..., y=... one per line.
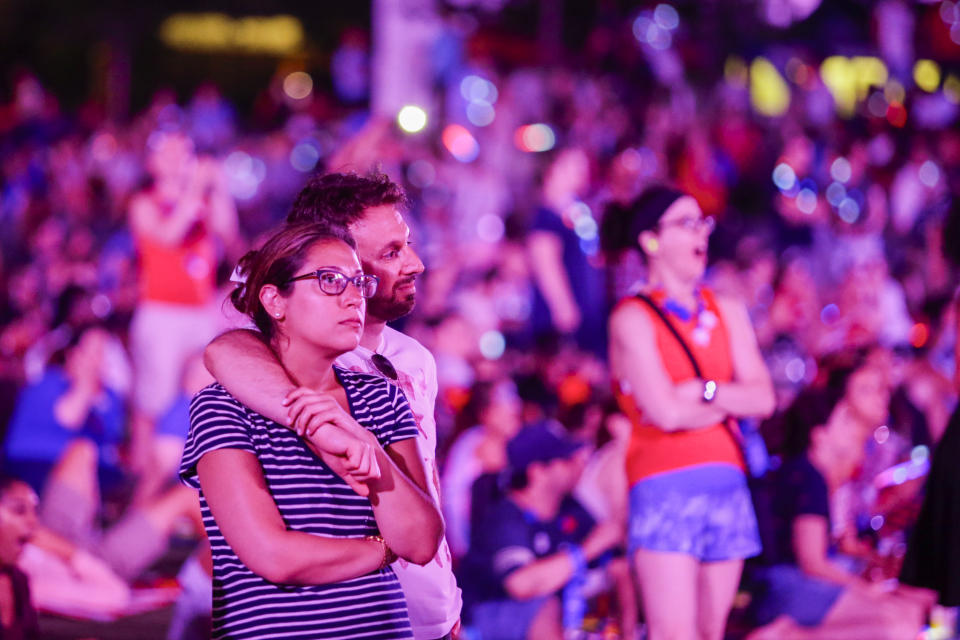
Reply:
x=691, y=224
x=333, y=283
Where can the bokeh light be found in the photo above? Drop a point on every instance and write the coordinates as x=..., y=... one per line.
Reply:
x=460, y=143
x=298, y=85
x=412, y=118
x=534, y=138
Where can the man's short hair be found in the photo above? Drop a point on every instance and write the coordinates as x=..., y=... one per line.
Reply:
x=339, y=199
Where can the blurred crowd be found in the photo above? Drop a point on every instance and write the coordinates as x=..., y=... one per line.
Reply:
x=840, y=233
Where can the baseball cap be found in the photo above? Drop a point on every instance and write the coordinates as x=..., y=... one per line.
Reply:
x=540, y=442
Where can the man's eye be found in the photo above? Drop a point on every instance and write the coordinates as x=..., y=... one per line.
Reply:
x=329, y=278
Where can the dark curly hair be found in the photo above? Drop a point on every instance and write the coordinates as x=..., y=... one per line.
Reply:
x=339, y=199
x=278, y=260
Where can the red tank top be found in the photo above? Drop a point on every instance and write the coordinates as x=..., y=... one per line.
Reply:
x=181, y=274
x=653, y=450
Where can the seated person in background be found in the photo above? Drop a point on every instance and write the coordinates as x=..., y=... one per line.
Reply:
x=534, y=542
x=70, y=401
x=491, y=417
x=18, y=523
x=804, y=590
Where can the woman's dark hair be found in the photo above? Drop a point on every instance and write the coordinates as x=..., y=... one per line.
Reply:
x=623, y=223
x=810, y=409
x=278, y=260
x=7, y=481
x=66, y=338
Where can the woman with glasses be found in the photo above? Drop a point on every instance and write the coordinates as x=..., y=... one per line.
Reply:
x=299, y=549
x=691, y=519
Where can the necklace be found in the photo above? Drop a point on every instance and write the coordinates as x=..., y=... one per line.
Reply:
x=706, y=319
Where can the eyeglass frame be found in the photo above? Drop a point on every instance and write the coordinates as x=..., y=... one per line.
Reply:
x=345, y=279
x=688, y=223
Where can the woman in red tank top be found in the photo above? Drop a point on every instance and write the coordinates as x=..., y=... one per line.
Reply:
x=691, y=518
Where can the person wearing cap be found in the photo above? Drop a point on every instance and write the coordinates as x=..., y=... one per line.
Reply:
x=691, y=521
x=536, y=539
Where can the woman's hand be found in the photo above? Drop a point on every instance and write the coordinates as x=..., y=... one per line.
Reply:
x=308, y=410
x=333, y=435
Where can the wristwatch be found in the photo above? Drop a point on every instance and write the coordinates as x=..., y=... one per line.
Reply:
x=709, y=390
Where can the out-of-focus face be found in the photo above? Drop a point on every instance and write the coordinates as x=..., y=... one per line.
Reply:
x=504, y=413
x=383, y=244
x=868, y=395
x=171, y=155
x=332, y=322
x=681, y=240
x=18, y=520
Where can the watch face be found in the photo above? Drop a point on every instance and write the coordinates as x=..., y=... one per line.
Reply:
x=709, y=390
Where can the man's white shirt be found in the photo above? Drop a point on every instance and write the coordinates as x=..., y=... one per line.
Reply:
x=433, y=598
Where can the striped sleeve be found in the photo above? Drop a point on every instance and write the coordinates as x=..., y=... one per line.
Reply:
x=400, y=423
x=217, y=421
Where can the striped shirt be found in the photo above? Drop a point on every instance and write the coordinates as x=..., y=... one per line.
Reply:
x=310, y=498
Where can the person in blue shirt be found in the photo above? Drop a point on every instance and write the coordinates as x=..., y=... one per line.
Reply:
x=533, y=542
x=69, y=402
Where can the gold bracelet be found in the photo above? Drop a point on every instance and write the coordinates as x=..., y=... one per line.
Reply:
x=389, y=557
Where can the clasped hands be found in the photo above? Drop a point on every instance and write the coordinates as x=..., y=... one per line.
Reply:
x=332, y=433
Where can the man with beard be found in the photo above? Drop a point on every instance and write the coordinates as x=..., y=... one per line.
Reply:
x=369, y=208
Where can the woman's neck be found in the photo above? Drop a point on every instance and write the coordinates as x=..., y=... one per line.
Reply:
x=307, y=365
x=682, y=291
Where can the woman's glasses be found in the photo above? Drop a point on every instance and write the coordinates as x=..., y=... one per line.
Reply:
x=333, y=283
x=691, y=224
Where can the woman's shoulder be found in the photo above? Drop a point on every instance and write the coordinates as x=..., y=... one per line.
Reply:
x=362, y=380
x=215, y=398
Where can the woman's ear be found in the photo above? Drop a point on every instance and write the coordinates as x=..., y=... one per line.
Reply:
x=648, y=242
x=274, y=304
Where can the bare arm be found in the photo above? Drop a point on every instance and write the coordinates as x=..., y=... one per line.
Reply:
x=546, y=262
x=750, y=394
x=408, y=519
x=810, y=542
x=549, y=574
x=246, y=513
x=221, y=209
x=147, y=221
x=243, y=363
x=635, y=359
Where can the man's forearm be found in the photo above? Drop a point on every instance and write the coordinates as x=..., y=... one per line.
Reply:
x=250, y=371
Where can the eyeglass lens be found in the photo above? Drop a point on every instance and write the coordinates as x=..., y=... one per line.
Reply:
x=384, y=366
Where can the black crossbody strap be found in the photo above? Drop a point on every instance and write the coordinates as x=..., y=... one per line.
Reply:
x=673, y=330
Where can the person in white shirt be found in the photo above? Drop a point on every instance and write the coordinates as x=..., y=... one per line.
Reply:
x=370, y=209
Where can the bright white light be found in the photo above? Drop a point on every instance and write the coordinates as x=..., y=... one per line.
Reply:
x=492, y=344
x=412, y=118
x=919, y=454
x=840, y=170
x=784, y=177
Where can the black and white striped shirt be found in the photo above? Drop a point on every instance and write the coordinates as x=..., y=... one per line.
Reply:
x=310, y=498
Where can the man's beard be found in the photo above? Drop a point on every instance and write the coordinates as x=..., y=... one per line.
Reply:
x=392, y=308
